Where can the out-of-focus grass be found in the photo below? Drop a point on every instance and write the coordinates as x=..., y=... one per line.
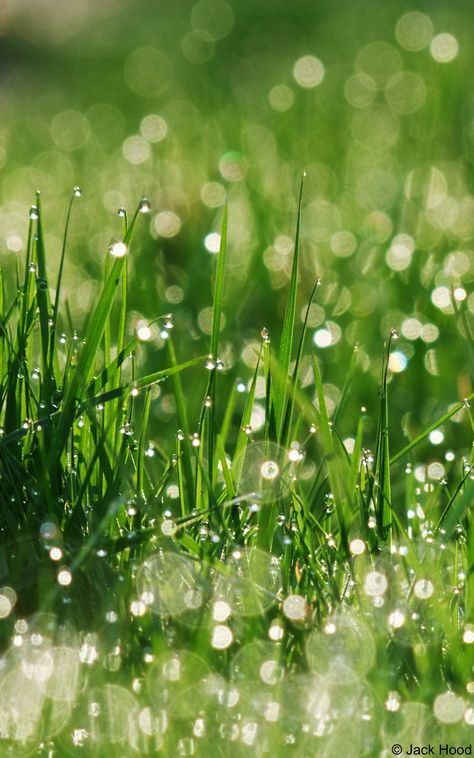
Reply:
x=268, y=548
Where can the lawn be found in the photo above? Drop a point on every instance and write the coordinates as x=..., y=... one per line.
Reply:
x=236, y=367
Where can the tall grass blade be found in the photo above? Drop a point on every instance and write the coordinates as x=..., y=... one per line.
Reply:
x=280, y=389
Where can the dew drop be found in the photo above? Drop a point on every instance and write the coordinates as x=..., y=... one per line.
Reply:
x=144, y=205
x=357, y=546
x=64, y=577
x=118, y=249
x=168, y=528
x=168, y=321
x=222, y=637
x=295, y=607
x=423, y=589
x=269, y=470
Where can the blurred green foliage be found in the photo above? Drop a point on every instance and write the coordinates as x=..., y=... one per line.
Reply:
x=191, y=103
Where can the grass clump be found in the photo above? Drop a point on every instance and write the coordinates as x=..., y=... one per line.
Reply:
x=242, y=589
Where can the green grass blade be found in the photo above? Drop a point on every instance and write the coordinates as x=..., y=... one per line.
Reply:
x=336, y=466
x=185, y=459
x=280, y=388
x=218, y=287
x=42, y=299
x=425, y=433
x=287, y=427
x=458, y=503
x=55, y=310
x=242, y=436
x=95, y=331
x=381, y=488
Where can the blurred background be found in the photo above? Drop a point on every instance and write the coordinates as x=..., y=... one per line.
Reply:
x=193, y=103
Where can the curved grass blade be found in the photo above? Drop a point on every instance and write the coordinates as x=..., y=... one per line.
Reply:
x=424, y=434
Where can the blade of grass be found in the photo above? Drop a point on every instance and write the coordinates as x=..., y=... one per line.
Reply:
x=337, y=472
x=95, y=331
x=425, y=433
x=280, y=389
x=381, y=488
x=287, y=426
x=185, y=460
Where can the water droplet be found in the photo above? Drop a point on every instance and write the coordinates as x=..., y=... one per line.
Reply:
x=121, y=212
x=295, y=453
x=394, y=334
x=375, y=584
x=393, y=702
x=222, y=637
x=423, y=589
x=55, y=553
x=269, y=470
x=137, y=608
x=357, y=546
x=210, y=363
x=295, y=607
x=168, y=321
x=265, y=335
x=144, y=205
x=64, y=576
x=448, y=708
x=208, y=401
x=77, y=191
x=168, y=528
x=118, y=249
x=34, y=212
x=195, y=440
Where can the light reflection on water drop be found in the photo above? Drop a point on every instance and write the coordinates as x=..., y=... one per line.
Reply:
x=346, y=654
x=251, y=583
x=265, y=470
x=172, y=581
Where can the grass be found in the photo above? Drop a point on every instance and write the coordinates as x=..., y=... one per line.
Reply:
x=230, y=590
